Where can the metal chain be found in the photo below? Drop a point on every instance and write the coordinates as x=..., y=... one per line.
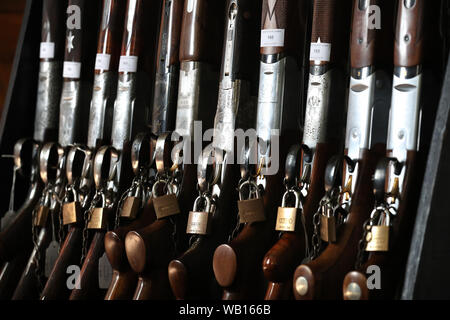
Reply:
x=316, y=240
x=367, y=228
x=37, y=257
x=87, y=217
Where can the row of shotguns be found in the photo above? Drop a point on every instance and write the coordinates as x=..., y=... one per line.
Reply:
x=118, y=208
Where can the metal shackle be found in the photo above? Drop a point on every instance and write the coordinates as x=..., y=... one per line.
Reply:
x=298, y=203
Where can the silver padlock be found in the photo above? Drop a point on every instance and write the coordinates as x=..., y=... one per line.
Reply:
x=251, y=209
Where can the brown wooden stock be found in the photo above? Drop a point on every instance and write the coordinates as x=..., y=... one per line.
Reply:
x=132, y=37
x=154, y=286
x=110, y=35
x=198, y=28
x=28, y=287
x=282, y=259
x=173, y=49
x=17, y=237
x=74, y=47
x=282, y=291
x=89, y=286
x=275, y=15
x=362, y=45
x=52, y=25
x=10, y=274
x=56, y=288
x=326, y=273
x=125, y=279
x=408, y=48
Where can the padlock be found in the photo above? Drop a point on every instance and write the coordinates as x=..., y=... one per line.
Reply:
x=99, y=219
x=199, y=222
x=71, y=212
x=166, y=205
x=378, y=239
x=287, y=216
x=130, y=208
x=40, y=219
x=251, y=210
x=327, y=228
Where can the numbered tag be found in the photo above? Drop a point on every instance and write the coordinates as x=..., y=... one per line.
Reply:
x=128, y=64
x=72, y=70
x=51, y=254
x=102, y=61
x=166, y=206
x=47, y=50
x=272, y=38
x=104, y=272
x=7, y=219
x=198, y=223
x=251, y=210
x=378, y=239
x=320, y=51
x=286, y=219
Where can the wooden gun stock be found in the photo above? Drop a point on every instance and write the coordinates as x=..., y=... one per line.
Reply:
x=191, y=275
x=124, y=279
x=325, y=274
x=362, y=43
x=89, y=287
x=56, y=287
x=281, y=260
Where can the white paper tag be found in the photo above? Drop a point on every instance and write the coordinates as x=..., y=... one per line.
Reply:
x=320, y=51
x=128, y=64
x=51, y=254
x=47, y=50
x=72, y=69
x=102, y=61
x=272, y=38
x=104, y=272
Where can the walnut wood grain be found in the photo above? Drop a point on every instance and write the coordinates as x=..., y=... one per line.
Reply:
x=111, y=30
x=408, y=48
x=201, y=31
x=122, y=285
x=281, y=260
x=53, y=25
x=362, y=45
x=275, y=15
x=326, y=273
x=154, y=286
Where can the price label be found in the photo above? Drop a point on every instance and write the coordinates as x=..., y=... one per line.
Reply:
x=47, y=50
x=72, y=69
x=272, y=38
x=102, y=61
x=320, y=52
x=128, y=64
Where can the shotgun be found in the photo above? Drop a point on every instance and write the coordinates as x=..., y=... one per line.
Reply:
x=347, y=201
x=111, y=169
x=397, y=177
x=135, y=206
x=15, y=237
x=79, y=159
x=48, y=230
x=237, y=264
x=209, y=223
x=150, y=249
x=321, y=139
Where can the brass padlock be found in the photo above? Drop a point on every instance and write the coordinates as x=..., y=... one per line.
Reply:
x=130, y=208
x=40, y=219
x=71, y=212
x=378, y=239
x=287, y=216
x=99, y=219
x=166, y=205
x=199, y=221
x=328, y=228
